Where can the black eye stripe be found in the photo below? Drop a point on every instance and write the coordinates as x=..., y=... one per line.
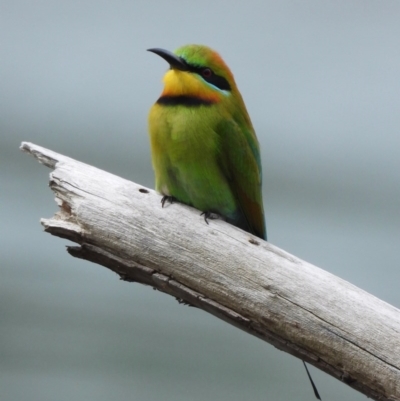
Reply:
x=216, y=80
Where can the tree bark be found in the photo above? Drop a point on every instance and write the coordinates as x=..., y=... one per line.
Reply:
x=259, y=288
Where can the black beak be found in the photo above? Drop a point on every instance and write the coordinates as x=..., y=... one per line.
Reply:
x=172, y=59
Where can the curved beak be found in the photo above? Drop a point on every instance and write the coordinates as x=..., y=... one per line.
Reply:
x=172, y=59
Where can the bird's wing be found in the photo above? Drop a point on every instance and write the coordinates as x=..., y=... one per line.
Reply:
x=240, y=163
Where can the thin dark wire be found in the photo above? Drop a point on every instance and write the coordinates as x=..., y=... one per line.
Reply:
x=312, y=383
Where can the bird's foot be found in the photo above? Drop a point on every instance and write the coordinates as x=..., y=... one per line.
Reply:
x=210, y=215
x=168, y=198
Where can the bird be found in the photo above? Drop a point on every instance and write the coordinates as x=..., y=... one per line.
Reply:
x=204, y=149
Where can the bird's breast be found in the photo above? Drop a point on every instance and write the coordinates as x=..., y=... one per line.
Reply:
x=183, y=132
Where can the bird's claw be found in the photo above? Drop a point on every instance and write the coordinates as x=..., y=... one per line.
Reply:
x=166, y=198
x=210, y=215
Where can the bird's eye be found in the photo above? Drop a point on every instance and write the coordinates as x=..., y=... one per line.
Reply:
x=206, y=72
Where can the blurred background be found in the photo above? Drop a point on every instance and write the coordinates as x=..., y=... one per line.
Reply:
x=321, y=83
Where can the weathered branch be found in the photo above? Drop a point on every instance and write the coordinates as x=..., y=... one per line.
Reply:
x=241, y=279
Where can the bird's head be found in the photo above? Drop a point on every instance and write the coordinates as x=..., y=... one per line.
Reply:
x=197, y=71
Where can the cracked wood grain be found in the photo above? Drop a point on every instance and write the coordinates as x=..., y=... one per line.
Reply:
x=257, y=287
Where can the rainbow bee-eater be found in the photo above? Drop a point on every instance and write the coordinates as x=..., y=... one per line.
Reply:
x=205, y=152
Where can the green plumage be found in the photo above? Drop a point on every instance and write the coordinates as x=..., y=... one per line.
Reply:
x=204, y=149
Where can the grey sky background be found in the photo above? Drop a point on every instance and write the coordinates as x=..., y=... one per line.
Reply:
x=321, y=83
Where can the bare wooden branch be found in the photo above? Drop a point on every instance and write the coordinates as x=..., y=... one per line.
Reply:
x=233, y=275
